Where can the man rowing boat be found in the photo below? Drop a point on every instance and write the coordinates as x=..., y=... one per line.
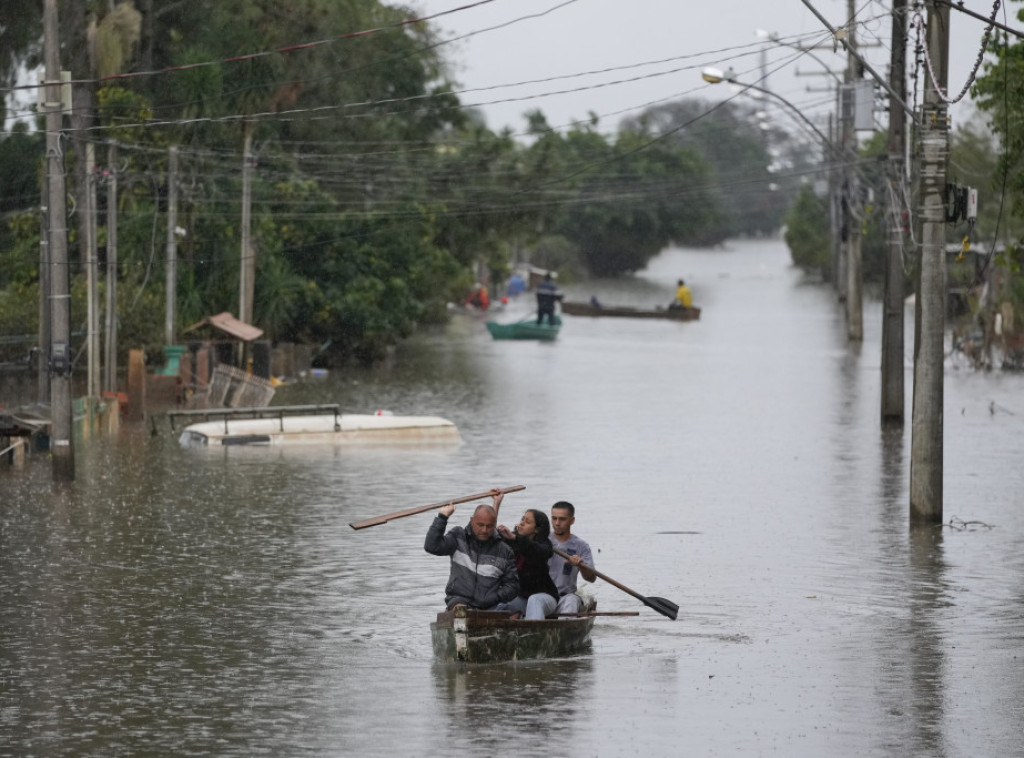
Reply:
x=483, y=567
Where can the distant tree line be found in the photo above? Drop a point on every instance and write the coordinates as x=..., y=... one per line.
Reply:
x=377, y=197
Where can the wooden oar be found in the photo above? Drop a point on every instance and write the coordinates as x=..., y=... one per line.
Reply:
x=660, y=604
x=433, y=506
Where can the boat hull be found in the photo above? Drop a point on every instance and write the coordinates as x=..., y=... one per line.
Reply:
x=492, y=637
x=585, y=309
x=343, y=429
x=528, y=329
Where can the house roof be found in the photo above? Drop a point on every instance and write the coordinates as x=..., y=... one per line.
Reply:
x=228, y=323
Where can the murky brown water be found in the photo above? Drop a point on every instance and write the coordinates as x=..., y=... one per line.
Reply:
x=190, y=602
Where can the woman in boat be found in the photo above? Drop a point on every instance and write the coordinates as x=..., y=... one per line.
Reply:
x=529, y=542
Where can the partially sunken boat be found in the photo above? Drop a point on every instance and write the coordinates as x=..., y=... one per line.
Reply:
x=278, y=427
x=493, y=636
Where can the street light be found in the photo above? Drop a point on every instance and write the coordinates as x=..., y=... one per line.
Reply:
x=715, y=76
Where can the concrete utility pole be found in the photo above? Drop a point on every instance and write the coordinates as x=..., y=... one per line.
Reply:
x=926, y=439
x=172, y=246
x=43, y=358
x=110, y=377
x=892, y=300
x=92, y=274
x=62, y=450
x=854, y=268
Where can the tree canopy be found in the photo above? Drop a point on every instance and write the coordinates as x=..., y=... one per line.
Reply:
x=376, y=196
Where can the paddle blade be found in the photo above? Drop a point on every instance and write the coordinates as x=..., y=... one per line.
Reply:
x=662, y=606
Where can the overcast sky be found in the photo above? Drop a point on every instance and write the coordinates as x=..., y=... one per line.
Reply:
x=614, y=58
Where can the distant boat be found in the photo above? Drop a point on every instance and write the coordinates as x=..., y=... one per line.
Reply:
x=620, y=311
x=526, y=329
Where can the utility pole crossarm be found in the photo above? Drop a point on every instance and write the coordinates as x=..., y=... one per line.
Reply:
x=860, y=59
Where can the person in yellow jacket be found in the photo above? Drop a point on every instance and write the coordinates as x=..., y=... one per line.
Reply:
x=684, y=298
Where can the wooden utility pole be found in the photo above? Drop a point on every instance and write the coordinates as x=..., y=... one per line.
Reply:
x=62, y=452
x=854, y=268
x=926, y=440
x=248, y=261
x=110, y=377
x=172, y=246
x=892, y=299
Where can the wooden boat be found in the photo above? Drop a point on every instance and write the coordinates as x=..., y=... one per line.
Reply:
x=276, y=426
x=526, y=329
x=586, y=309
x=493, y=636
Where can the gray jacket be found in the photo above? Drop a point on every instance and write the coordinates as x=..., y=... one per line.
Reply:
x=483, y=574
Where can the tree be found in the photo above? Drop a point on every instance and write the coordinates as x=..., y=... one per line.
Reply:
x=744, y=175
x=807, y=231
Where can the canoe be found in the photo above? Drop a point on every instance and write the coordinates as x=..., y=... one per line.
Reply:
x=619, y=311
x=337, y=429
x=527, y=329
x=492, y=636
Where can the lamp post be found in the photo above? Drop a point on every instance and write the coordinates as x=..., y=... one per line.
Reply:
x=714, y=76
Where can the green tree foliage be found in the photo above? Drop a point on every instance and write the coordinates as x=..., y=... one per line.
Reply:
x=748, y=182
x=21, y=163
x=636, y=196
x=807, y=231
x=375, y=195
x=999, y=94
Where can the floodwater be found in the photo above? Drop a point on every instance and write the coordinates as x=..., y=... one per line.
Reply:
x=217, y=603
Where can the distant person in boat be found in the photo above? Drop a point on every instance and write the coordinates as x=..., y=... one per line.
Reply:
x=595, y=302
x=529, y=541
x=684, y=298
x=564, y=572
x=547, y=296
x=483, y=567
x=516, y=286
x=479, y=298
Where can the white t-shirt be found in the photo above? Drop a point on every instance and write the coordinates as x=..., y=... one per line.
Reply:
x=562, y=572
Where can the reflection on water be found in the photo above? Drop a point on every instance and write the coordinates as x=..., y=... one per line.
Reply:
x=489, y=706
x=216, y=602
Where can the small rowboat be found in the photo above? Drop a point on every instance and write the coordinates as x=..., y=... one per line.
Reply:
x=493, y=636
x=526, y=329
x=672, y=314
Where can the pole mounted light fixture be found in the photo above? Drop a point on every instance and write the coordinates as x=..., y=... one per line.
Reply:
x=715, y=76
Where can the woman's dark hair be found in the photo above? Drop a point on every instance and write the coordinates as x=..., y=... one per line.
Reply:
x=543, y=525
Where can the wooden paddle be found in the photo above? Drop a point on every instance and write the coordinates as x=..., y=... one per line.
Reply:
x=433, y=506
x=660, y=604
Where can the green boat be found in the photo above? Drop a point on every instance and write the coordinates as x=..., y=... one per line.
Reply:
x=493, y=636
x=526, y=329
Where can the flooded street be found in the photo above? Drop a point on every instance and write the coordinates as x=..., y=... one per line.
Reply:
x=216, y=602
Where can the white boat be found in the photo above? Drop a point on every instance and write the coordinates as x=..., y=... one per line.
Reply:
x=380, y=428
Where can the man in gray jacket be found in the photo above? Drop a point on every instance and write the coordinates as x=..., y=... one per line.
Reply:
x=483, y=567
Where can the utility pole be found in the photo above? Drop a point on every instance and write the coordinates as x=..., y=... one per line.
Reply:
x=172, y=245
x=892, y=299
x=110, y=378
x=62, y=450
x=854, y=268
x=926, y=439
x=43, y=357
x=248, y=261
x=91, y=275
